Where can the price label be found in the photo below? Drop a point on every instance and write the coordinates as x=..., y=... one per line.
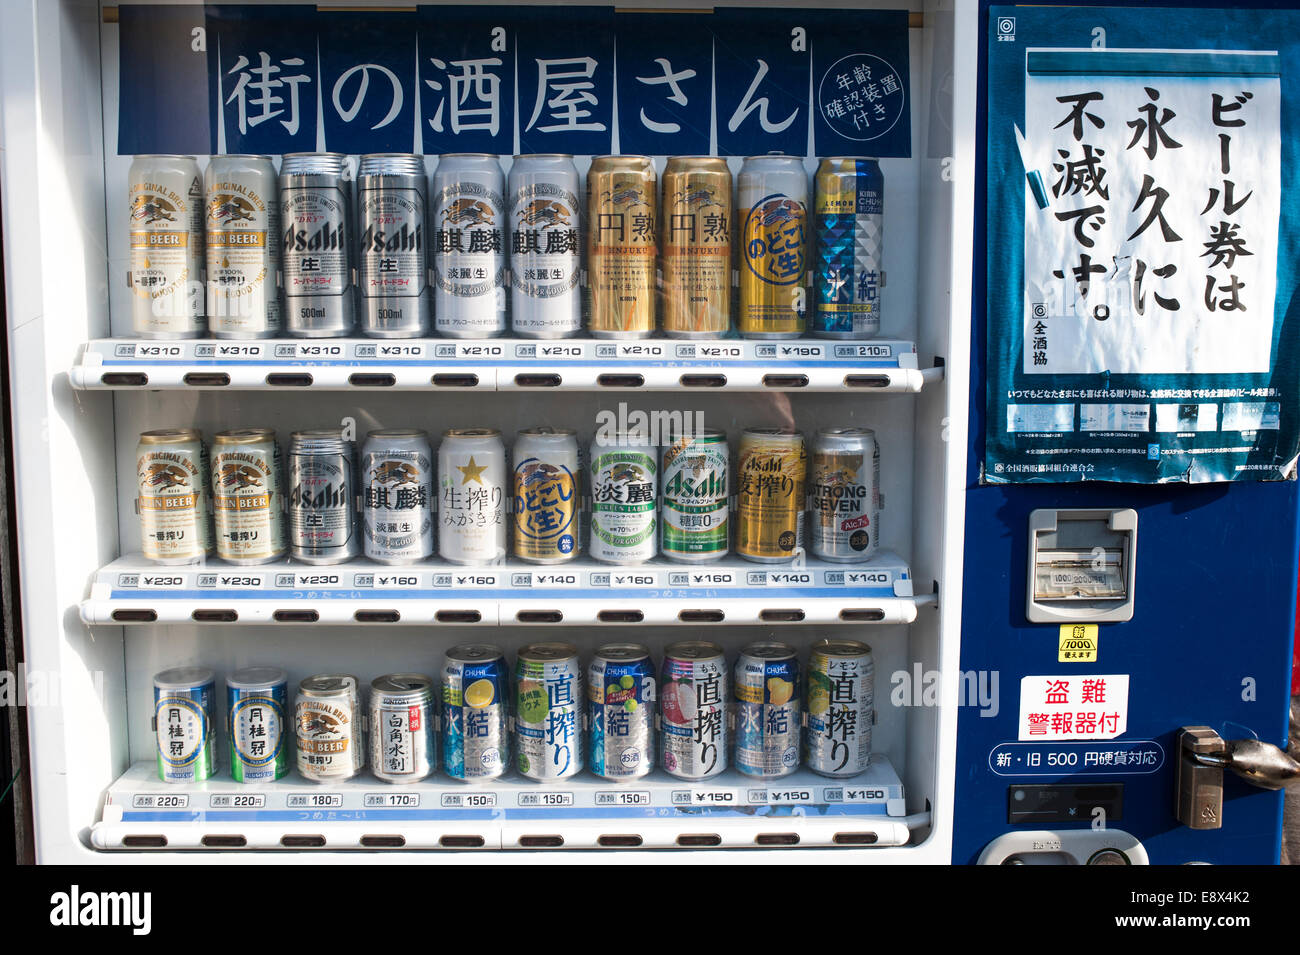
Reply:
x=160, y=801
x=314, y=800
x=391, y=800
x=469, y=800
x=705, y=797
x=620, y=797
x=237, y=801
x=535, y=799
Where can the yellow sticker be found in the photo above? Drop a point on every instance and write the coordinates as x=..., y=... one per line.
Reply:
x=1078, y=643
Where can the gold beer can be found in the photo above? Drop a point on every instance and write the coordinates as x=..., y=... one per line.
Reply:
x=172, y=496
x=621, y=246
x=696, y=226
x=772, y=202
x=771, y=468
x=248, y=507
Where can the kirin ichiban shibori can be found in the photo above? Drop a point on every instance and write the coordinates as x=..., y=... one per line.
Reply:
x=185, y=711
x=621, y=246
x=547, y=495
x=696, y=230
x=172, y=496
x=773, y=198
x=397, y=496
x=247, y=504
x=549, y=711
x=242, y=212
x=624, y=500
x=767, y=710
x=322, y=498
x=475, y=713
x=693, y=701
x=545, y=247
x=327, y=720
x=165, y=269
x=696, y=490
x=841, y=707
x=620, y=711
x=257, y=707
x=771, y=468
x=468, y=212
x=403, y=737
x=849, y=230
x=472, y=496
x=392, y=259
x=317, y=221
x=845, y=491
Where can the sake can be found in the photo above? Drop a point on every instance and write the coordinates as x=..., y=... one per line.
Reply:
x=772, y=198
x=768, y=721
x=620, y=712
x=323, y=520
x=317, y=222
x=473, y=496
x=185, y=712
x=624, y=500
x=475, y=713
x=172, y=496
x=696, y=485
x=242, y=215
x=694, y=697
x=547, y=495
x=545, y=246
x=845, y=491
x=397, y=496
x=468, y=216
x=771, y=469
x=697, y=241
x=328, y=726
x=248, y=506
x=549, y=711
x=403, y=737
x=165, y=242
x=257, y=701
x=849, y=220
x=392, y=260
x=621, y=246
x=840, y=704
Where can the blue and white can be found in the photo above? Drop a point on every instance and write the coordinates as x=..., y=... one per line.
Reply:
x=849, y=221
x=256, y=698
x=185, y=709
x=767, y=710
x=475, y=713
x=620, y=711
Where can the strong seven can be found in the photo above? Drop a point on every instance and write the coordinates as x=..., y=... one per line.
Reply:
x=468, y=212
x=693, y=700
x=316, y=219
x=548, y=711
x=845, y=492
x=621, y=246
x=257, y=700
x=773, y=198
x=185, y=710
x=322, y=498
x=392, y=264
x=242, y=212
x=841, y=701
x=767, y=710
x=475, y=714
x=246, y=481
x=849, y=229
x=545, y=247
x=696, y=231
x=696, y=487
x=403, y=738
x=548, y=502
x=327, y=720
x=472, y=489
x=166, y=247
x=171, y=470
x=620, y=711
x=397, y=496
x=771, y=466
x=624, y=500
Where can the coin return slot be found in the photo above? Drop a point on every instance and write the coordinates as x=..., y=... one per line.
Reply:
x=701, y=616
x=372, y=380
x=785, y=381
x=866, y=381
x=862, y=615
x=777, y=839
x=144, y=842
x=123, y=378
x=454, y=381
x=214, y=616
x=854, y=838
x=458, y=616
x=224, y=842
x=207, y=379
x=620, y=616
x=541, y=842
x=620, y=381
x=703, y=381
x=135, y=616
x=376, y=616
x=700, y=839
x=781, y=616
x=619, y=842
x=538, y=381
x=461, y=842
x=282, y=380
x=383, y=842
x=295, y=616
x=302, y=842
x=539, y=616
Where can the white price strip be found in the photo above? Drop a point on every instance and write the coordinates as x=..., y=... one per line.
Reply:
x=862, y=794
x=156, y=351
x=469, y=800
x=312, y=352
x=391, y=800
x=314, y=800
x=714, y=578
x=392, y=581
x=633, y=579
x=237, y=352
x=620, y=797
x=237, y=801
x=160, y=801
x=794, y=796
x=545, y=799
x=706, y=797
x=1073, y=706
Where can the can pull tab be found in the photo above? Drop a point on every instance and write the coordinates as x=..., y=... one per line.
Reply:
x=1260, y=764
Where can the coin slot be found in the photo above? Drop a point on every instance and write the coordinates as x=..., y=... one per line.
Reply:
x=866, y=381
x=214, y=616
x=458, y=616
x=372, y=380
x=701, y=616
x=461, y=842
x=620, y=616
x=135, y=616
x=383, y=842
x=376, y=616
x=539, y=616
x=703, y=381
x=284, y=380
x=541, y=842
x=785, y=381
x=777, y=839
x=302, y=842
x=454, y=381
x=538, y=381
x=619, y=842
x=295, y=616
x=780, y=616
x=862, y=615
x=700, y=839
x=224, y=842
x=116, y=378
x=620, y=381
x=206, y=379
x=855, y=838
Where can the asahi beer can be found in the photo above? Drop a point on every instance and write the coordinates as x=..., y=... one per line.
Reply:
x=549, y=710
x=475, y=713
x=621, y=246
x=696, y=487
x=247, y=505
x=771, y=468
x=473, y=489
x=468, y=212
x=322, y=498
x=620, y=712
x=773, y=199
x=317, y=226
x=624, y=500
x=693, y=702
x=392, y=259
x=242, y=213
x=547, y=495
x=841, y=707
x=257, y=707
x=848, y=231
x=545, y=247
x=327, y=720
x=171, y=470
x=845, y=492
x=397, y=496
x=696, y=227
x=768, y=723
x=185, y=714
x=165, y=266
x=403, y=737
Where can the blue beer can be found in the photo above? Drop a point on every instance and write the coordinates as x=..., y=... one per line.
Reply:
x=848, y=229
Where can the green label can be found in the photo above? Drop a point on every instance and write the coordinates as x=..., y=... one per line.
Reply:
x=696, y=487
x=185, y=709
x=256, y=698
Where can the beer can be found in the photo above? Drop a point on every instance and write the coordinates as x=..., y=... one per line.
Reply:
x=472, y=496
x=848, y=237
x=768, y=722
x=242, y=213
x=620, y=711
x=693, y=702
x=392, y=259
x=247, y=506
x=185, y=723
x=475, y=713
x=165, y=265
x=845, y=492
x=257, y=700
x=772, y=195
x=547, y=495
x=696, y=487
x=549, y=708
x=331, y=736
x=469, y=264
x=322, y=498
x=397, y=496
x=171, y=470
x=403, y=738
x=624, y=500
x=771, y=467
x=545, y=247
x=696, y=227
x=317, y=223
x=621, y=246
x=841, y=708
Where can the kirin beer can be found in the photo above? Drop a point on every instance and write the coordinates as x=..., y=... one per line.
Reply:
x=620, y=711
x=840, y=706
x=771, y=468
x=624, y=500
x=185, y=712
x=322, y=498
x=257, y=701
x=397, y=496
x=621, y=246
x=171, y=470
x=773, y=198
x=768, y=723
x=242, y=212
x=547, y=495
x=165, y=270
x=327, y=719
x=475, y=713
x=845, y=492
x=392, y=259
x=696, y=489
x=247, y=504
x=472, y=496
x=848, y=236
x=469, y=263
x=693, y=701
x=545, y=247
x=549, y=711
x=403, y=738
x=317, y=223
x=696, y=229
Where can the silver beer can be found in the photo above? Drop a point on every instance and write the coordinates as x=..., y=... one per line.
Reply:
x=327, y=723
x=392, y=260
x=547, y=486
x=322, y=498
x=403, y=737
x=620, y=712
x=172, y=496
x=317, y=222
x=473, y=495
x=165, y=263
x=840, y=704
x=545, y=246
x=469, y=232
x=397, y=496
x=248, y=507
x=694, y=698
x=624, y=500
x=549, y=711
x=242, y=213
x=844, y=484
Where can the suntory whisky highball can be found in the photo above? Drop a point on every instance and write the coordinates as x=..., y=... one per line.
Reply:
x=621, y=246
x=392, y=256
x=696, y=227
x=185, y=715
x=248, y=508
x=323, y=520
x=771, y=468
x=165, y=265
x=694, y=696
x=624, y=500
x=403, y=736
x=620, y=711
x=473, y=496
x=330, y=734
x=475, y=713
x=696, y=482
x=172, y=496
x=844, y=486
x=317, y=223
x=545, y=246
x=550, y=711
x=547, y=486
x=469, y=233
x=768, y=722
x=840, y=705
x=397, y=496
x=849, y=229
x=257, y=724
x=773, y=203
x=242, y=215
